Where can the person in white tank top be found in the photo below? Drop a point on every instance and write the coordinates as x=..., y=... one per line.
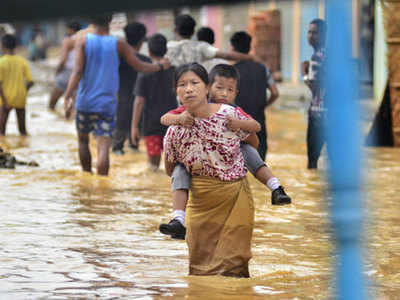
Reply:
x=65, y=65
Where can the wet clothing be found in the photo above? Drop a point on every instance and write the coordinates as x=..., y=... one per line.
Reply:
x=219, y=227
x=14, y=74
x=220, y=210
x=315, y=139
x=69, y=63
x=62, y=79
x=99, y=124
x=252, y=96
x=180, y=179
x=154, y=144
x=188, y=51
x=98, y=87
x=157, y=91
x=317, y=105
x=208, y=148
x=317, y=110
x=252, y=159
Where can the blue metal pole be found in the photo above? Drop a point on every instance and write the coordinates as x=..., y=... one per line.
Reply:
x=344, y=150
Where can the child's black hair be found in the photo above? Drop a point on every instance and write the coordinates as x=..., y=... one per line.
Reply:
x=9, y=41
x=206, y=34
x=224, y=70
x=157, y=45
x=241, y=42
x=134, y=33
x=184, y=25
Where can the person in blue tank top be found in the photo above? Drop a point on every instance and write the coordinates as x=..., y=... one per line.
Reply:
x=96, y=72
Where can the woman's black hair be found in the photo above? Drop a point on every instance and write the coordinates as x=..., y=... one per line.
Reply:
x=196, y=68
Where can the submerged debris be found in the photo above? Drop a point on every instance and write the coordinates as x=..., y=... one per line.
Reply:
x=8, y=161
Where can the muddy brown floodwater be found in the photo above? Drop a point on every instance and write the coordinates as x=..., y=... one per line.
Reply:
x=66, y=234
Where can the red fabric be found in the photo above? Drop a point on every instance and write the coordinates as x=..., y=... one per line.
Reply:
x=177, y=111
x=154, y=144
x=243, y=113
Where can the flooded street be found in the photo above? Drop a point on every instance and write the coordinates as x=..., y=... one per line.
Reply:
x=66, y=234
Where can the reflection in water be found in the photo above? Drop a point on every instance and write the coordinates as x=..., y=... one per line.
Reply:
x=67, y=234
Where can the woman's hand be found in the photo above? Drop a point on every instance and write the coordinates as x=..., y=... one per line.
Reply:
x=186, y=119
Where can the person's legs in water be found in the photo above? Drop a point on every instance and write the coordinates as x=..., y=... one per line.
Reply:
x=84, y=125
x=4, y=113
x=60, y=85
x=104, y=126
x=84, y=152
x=118, y=140
x=103, y=155
x=122, y=128
x=154, y=144
x=54, y=96
x=180, y=187
x=21, y=121
x=260, y=170
x=315, y=140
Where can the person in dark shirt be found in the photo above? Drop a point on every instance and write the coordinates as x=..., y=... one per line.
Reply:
x=312, y=74
x=255, y=79
x=135, y=35
x=154, y=97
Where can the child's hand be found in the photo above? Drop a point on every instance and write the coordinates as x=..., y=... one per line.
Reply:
x=232, y=123
x=186, y=119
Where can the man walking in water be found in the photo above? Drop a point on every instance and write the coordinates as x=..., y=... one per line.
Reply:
x=96, y=72
x=312, y=74
x=65, y=66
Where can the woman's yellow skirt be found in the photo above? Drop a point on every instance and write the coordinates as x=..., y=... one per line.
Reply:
x=219, y=223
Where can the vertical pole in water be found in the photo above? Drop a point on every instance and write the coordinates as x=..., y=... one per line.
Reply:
x=344, y=150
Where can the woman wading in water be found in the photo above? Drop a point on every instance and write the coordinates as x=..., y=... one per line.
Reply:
x=220, y=211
